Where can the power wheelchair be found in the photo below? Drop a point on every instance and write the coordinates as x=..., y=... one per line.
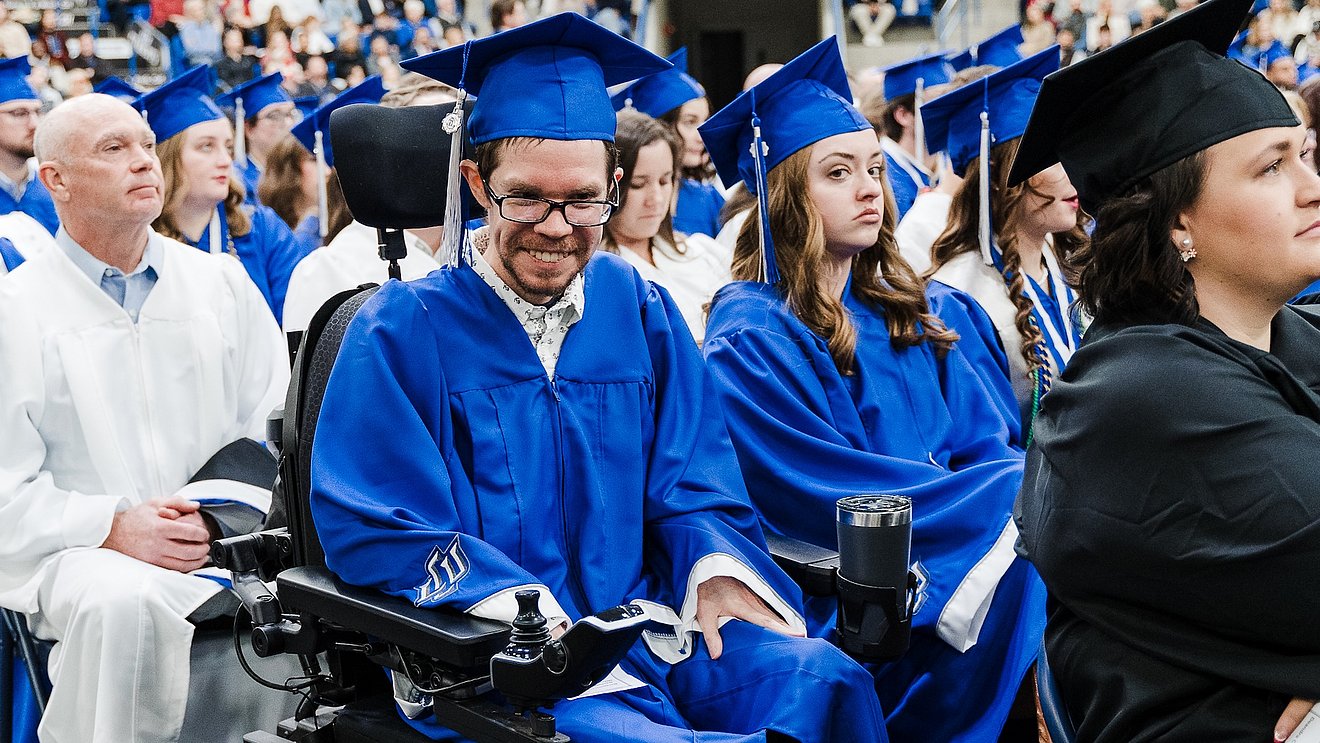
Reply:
x=484, y=680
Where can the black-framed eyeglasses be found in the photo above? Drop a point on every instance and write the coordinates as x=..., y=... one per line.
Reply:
x=535, y=210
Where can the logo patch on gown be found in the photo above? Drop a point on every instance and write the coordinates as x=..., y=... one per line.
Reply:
x=923, y=582
x=444, y=569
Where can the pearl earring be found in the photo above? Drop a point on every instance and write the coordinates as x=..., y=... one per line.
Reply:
x=1188, y=252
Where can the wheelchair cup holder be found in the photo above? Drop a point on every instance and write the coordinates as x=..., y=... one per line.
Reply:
x=875, y=623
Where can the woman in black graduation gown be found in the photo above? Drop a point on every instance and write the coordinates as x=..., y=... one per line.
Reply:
x=1172, y=502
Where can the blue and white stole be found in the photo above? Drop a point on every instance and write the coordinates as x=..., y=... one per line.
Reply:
x=907, y=163
x=1051, y=309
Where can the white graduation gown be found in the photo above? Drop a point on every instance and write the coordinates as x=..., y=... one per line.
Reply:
x=728, y=237
x=98, y=413
x=27, y=234
x=351, y=259
x=691, y=277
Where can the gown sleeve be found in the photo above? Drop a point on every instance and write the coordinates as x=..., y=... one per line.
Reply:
x=239, y=480
x=979, y=344
x=385, y=510
x=38, y=518
x=281, y=254
x=699, y=521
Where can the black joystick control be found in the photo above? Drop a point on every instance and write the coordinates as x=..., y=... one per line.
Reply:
x=529, y=630
x=535, y=670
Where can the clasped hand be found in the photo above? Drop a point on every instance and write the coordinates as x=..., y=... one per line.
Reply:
x=169, y=532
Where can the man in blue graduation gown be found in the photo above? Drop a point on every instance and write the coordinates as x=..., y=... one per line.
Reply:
x=20, y=108
x=905, y=168
x=540, y=417
x=264, y=114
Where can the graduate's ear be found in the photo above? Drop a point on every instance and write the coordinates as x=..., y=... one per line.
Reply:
x=50, y=176
x=1181, y=232
x=904, y=117
x=468, y=169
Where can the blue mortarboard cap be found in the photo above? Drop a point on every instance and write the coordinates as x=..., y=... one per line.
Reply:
x=658, y=94
x=546, y=79
x=117, y=87
x=179, y=103
x=1000, y=49
x=367, y=91
x=805, y=101
x=953, y=121
x=901, y=79
x=961, y=60
x=256, y=94
x=306, y=105
x=14, y=85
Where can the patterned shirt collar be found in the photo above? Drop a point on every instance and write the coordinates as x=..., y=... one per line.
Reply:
x=546, y=326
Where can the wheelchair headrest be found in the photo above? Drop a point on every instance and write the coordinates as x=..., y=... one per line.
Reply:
x=393, y=164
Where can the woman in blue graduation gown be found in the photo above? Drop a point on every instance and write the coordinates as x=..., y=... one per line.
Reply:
x=1020, y=273
x=288, y=187
x=677, y=99
x=837, y=378
x=1170, y=502
x=203, y=197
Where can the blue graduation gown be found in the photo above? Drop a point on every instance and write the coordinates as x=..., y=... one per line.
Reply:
x=268, y=252
x=906, y=183
x=908, y=423
x=604, y=484
x=251, y=175
x=36, y=203
x=307, y=235
x=978, y=343
x=698, y=208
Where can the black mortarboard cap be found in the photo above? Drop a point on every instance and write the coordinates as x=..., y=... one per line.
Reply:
x=1120, y=115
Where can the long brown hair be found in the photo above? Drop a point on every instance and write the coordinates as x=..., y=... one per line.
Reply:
x=170, y=153
x=635, y=131
x=336, y=206
x=1007, y=210
x=880, y=276
x=281, y=185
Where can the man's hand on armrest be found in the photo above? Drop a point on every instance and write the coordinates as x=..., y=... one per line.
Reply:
x=723, y=596
x=168, y=532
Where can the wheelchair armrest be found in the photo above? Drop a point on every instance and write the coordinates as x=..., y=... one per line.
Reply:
x=458, y=640
x=813, y=568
